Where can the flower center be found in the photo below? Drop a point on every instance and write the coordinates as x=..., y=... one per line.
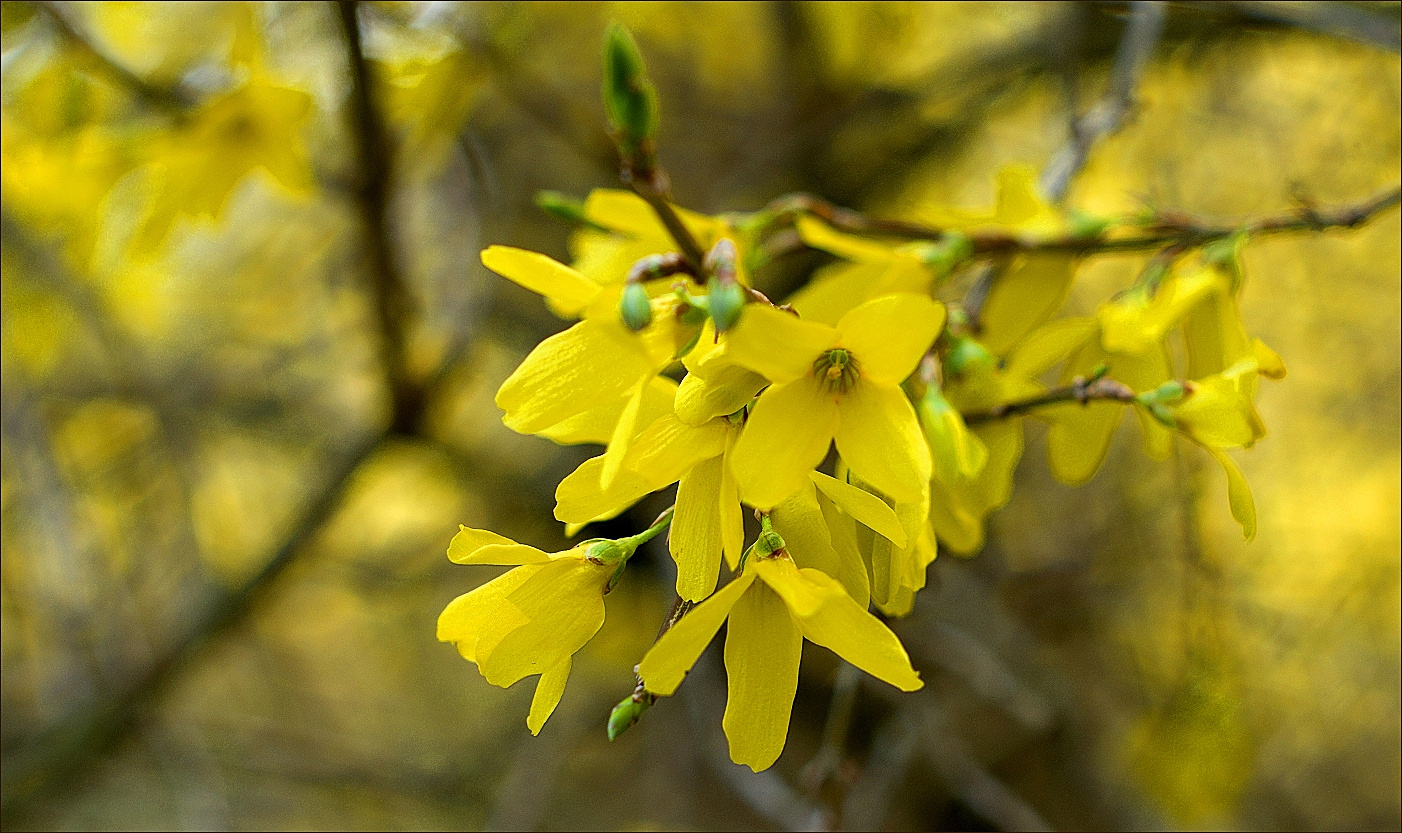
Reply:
x=837, y=369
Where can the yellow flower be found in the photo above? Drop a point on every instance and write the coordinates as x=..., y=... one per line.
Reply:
x=772, y=606
x=634, y=232
x=871, y=270
x=829, y=383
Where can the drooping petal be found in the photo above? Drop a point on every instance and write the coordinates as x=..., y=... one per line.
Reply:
x=542, y=275
x=732, y=518
x=480, y=546
x=695, y=538
x=786, y=436
x=820, y=235
x=665, y=665
x=762, y=649
x=548, y=691
x=810, y=540
x=1023, y=297
x=1238, y=493
x=701, y=399
x=462, y=620
x=879, y=437
x=591, y=363
x=866, y=507
x=563, y=605
x=668, y=448
x=852, y=570
x=852, y=633
x=888, y=335
x=580, y=500
x=597, y=424
x=777, y=345
x=1048, y=345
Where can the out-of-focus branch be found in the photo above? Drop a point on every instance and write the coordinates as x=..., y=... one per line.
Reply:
x=970, y=782
x=1344, y=20
x=1081, y=389
x=393, y=301
x=167, y=99
x=1141, y=35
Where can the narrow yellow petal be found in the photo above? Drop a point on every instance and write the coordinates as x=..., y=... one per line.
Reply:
x=571, y=372
x=548, y=691
x=777, y=345
x=786, y=436
x=542, y=275
x=695, y=536
x=627, y=212
x=866, y=507
x=468, y=545
x=668, y=448
x=732, y=518
x=622, y=434
x=1238, y=493
x=820, y=235
x=879, y=437
x=579, y=499
x=762, y=650
x=701, y=399
x=563, y=605
x=665, y=665
x=462, y=620
x=852, y=633
x=888, y=335
x=852, y=570
x=811, y=541
x=1079, y=438
x=597, y=424
x=1050, y=344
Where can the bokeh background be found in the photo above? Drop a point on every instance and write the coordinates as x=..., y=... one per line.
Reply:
x=223, y=554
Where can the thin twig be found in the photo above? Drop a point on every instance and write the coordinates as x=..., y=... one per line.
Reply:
x=1080, y=390
x=167, y=99
x=1141, y=36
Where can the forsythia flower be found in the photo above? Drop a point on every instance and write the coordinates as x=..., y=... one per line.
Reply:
x=829, y=383
x=772, y=606
x=531, y=619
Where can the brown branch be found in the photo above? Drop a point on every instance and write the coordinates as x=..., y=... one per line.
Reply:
x=1080, y=390
x=393, y=302
x=170, y=100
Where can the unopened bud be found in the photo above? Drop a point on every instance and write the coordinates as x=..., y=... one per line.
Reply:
x=726, y=303
x=1087, y=226
x=630, y=101
x=626, y=713
x=963, y=352
x=564, y=207
x=635, y=307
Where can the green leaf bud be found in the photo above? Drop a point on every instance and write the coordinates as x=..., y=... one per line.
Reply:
x=963, y=352
x=630, y=101
x=635, y=307
x=565, y=207
x=626, y=713
x=1087, y=226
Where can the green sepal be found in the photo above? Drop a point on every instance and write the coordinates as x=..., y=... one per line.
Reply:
x=630, y=101
x=635, y=307
x=726, y=301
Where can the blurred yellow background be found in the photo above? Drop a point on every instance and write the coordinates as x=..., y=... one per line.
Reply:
x=223, y=556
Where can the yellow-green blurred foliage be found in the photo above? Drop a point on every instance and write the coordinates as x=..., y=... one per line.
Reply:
x=192, y=359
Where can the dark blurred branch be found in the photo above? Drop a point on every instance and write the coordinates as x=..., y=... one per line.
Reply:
x=1080, y=390
x=161, y=98
x=970, y=782
x=823, y=775
x=1141, y=35
x=393, y=301
x=1344, y=20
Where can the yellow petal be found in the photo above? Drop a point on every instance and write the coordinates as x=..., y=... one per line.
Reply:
x=665, y=665
x=835, y=289
x=852, y=570
x=1017, y=200
x=668, y=448
x=695, y=536
x=801, y=522
x=820, y=235
x=786, y=436
x=852, y=633
x=732, y=519
x=548, y=691
x=1238, y=494
x=563, y=605
x=762, y=649
x=866, y=507
x=1216, y=415
x=462, y=620
x=700, y=400
x=579, y=499
x=571, y=372
x=777, y=345
x=596, y=425
x=1268, y=361
x=627, y=212
x=782, y=576
x=622, y=434
x=470, y=546
x=1023, y=297
x=1079, y=438
x=879, y=437
x=1050, y=344
x=542, y=275
x=888, y=335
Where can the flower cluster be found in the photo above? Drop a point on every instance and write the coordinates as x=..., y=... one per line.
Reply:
x=863, y=423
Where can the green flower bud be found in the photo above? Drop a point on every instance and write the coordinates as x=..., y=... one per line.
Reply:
x=1088, y=226
x=635, y=307
x=626, y=713
x=963, y=352
x=726, y=300
x=630, y=101
x=952, y=249
x=608, y=551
